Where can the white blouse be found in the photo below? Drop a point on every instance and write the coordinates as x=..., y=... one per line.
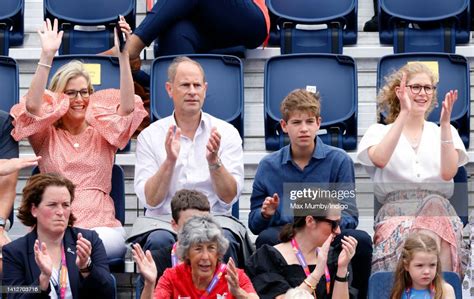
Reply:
x=406, y=165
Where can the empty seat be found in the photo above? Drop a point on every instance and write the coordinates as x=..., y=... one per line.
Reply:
x=104, y=70
x=338, y=19
x=11, y=24
x=9, y=83
x=97, y=18
x=225, y=92
x=424, y=25
x=334, y=76
x=453, y=74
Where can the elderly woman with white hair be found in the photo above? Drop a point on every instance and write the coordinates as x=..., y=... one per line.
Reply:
x=201, y=245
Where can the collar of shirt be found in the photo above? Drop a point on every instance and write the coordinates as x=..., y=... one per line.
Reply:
x=320, y=152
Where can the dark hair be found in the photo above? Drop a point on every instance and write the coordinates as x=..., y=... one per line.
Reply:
x=186, y=199
x=33, y=195
x=299, y=222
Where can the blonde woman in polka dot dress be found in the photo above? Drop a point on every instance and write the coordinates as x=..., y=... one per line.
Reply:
x=77, y=132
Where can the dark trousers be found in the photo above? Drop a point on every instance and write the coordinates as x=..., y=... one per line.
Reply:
x=361, y=261
x=197, y=26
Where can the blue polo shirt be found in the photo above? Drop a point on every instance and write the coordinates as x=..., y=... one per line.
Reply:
x=327, y=165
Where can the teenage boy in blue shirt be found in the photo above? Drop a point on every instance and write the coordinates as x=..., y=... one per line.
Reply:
x=306, y=160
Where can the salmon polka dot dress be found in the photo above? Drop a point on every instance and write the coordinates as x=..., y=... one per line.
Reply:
x=87, y=158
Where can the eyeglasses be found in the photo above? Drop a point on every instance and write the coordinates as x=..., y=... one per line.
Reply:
x=416, y=88
x=72, y=94
x=334, y=223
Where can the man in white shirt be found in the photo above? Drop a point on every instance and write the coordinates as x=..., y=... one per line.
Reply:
x=189, y=149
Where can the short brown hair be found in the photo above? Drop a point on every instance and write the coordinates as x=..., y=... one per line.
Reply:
x=172, y=69
x=301, y=100
x=185, y=199
x=33, y=195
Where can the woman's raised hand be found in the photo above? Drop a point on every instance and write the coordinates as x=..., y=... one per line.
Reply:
x=50, y=37
x=448, y=103
x=43, y=259
x=323, y=252
x=402, y=94
x=146, y=264
x=349, y=245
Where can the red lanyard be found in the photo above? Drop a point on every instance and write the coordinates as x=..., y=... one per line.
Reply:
x=63, y=275
x=214, y=281
x=304, y=265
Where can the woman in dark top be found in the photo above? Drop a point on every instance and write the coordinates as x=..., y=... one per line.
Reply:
x=305, y=258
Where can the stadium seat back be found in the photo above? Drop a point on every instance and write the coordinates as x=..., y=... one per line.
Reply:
x=333, y=76
x=12, y=28
x=104, y=70
x=336, y=25
x=381, y=283
x=424, y=25
x=9, y=83
x=98, y=18
x=224, y=96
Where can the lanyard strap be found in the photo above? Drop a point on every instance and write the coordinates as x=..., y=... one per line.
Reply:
x=174, y=257
x=63, y=275
x=214, y=280
x=304, y=265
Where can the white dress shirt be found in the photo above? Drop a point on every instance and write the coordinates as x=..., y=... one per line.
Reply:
x=191, y=170
x=406, y=165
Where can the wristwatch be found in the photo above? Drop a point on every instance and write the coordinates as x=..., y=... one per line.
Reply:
x=88, y=267
x=3, y=222
x=342, y=279
x=217, y=165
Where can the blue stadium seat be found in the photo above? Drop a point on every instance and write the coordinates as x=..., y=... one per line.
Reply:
x=118, y=195
x=380, y=284
x=334, y=76
x=98, y=15
x=424, y=25
x=224, y=96
x=338, y=19
x=109, y=71
x=9, y=83
x=453, y=74
x=11, y=24
x=109, y=68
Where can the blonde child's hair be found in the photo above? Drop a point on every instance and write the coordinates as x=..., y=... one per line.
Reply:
x=416, y=242
x=298, y=293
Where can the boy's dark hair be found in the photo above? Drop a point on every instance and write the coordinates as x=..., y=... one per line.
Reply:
x=186, y=199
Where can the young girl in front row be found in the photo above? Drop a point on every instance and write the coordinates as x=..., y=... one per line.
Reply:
x=418, y=273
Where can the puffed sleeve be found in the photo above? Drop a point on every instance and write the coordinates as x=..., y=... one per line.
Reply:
x=459, y=146
x=102, y=115
x=373, y=136
x=37, y=127
x=263, y=268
